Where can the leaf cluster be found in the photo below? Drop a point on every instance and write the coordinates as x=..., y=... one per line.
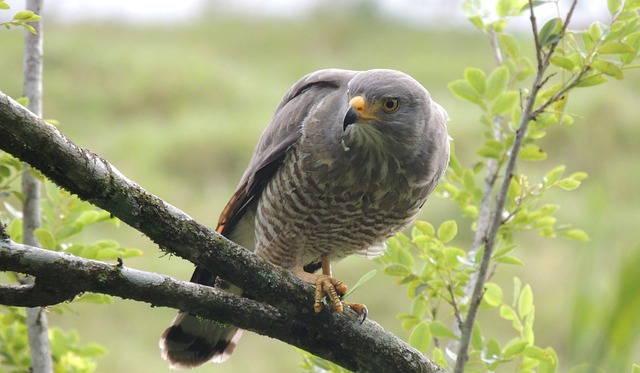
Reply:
x=68, y=353
x=20, y=19
x=64, y=217
x=438, y=276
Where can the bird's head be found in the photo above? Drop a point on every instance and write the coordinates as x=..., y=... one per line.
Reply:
x=385, y=107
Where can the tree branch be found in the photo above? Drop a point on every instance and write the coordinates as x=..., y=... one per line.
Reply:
x=284, y=300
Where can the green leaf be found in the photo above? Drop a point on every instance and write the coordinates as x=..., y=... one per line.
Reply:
x=45, y=238
x=507, y=313
x=525, y=302
x=528, y=333
x=568, y=184
x=420, y=337
x=497, y=82
x=476, y=78
x=592, y=80
x=493, y=295
x=614, y=6
x=419, y=307
x=577, y=234
x=615, y=47
x=5, y=171
x=366, y=277
x=397, y=270
x=94, y=350
x=508, y=259
x=505, y=7
x=23, y=15
x=579, y=176
x=550, y=32
x=492, y=149
x=463, y=90
x=130, y=253
x=549, y=366
x=635, y=369
x=537, y=353
x=438, y=358
x=532, y=152
x=439, y=330
x=26, y=16
x=476, y=337
x=452, y=255
x=4, y=5
x=95, y=298
x=405, y=258
x=447, y=231
x=563, y=63
x=510, y=45
x=608, y=68
x=517, y=286
x=468, y=180
x=514, y=347
x=553, y=176
x=493, y=349
x=631, y=5
x=30, y=28
x=426, y=228
x=505, y=102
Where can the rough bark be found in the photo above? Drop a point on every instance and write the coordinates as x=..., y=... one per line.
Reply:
x=275, y=303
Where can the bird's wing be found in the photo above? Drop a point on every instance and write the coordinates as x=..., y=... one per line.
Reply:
x=282, y=133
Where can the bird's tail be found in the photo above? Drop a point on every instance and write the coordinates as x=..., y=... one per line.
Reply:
x=191, y=341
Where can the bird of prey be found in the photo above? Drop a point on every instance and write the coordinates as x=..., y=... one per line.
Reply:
x=347, y=161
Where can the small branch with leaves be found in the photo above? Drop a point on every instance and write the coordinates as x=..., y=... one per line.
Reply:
x=20, y=19
x=519, y=100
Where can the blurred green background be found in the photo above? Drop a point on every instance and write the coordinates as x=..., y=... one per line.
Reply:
x=179, y=107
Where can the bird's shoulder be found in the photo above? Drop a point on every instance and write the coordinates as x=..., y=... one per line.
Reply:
x=281, y=134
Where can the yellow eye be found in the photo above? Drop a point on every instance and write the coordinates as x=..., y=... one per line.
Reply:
x=390, y=105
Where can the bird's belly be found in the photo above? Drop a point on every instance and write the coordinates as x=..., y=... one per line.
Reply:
x=300, y=219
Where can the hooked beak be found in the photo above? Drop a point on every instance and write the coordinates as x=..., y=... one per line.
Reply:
x=350, y=118
x=358, y=109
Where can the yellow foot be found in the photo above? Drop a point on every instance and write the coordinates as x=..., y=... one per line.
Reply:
x=332, y=288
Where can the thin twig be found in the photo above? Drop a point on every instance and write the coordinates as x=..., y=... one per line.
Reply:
x=456, y=307
x=37, y=324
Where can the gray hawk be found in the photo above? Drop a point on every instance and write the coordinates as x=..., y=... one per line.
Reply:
x=347, y=161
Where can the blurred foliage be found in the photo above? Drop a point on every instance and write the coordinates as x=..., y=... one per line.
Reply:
x=68, y=354
x=63, y=216
x=179, y=107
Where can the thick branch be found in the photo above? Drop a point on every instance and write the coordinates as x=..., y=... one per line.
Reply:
x=336, y=337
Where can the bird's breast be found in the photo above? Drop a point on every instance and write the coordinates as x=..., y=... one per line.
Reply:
x=316, y=205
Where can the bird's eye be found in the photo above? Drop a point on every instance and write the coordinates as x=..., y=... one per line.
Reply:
x=390, y=105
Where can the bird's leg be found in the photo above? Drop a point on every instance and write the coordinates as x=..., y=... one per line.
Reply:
x=332, y=288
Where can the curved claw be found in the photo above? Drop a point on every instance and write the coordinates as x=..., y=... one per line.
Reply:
x=360, y=309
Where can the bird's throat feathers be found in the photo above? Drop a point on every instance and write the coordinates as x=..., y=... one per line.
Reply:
x=368, y=139
x=371, y=154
